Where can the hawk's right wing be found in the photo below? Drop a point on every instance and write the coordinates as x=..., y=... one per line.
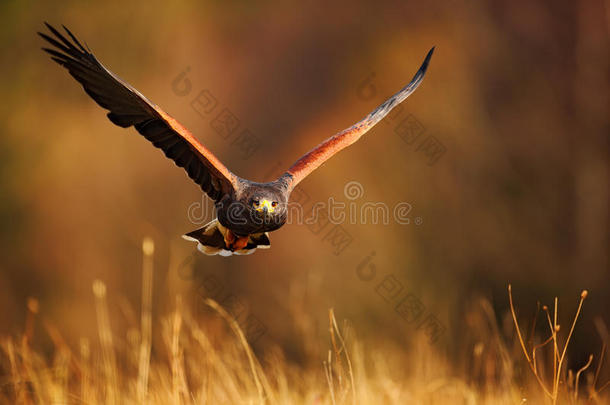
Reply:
x=130, y=108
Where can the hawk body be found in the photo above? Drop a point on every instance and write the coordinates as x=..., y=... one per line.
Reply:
x=246, y=211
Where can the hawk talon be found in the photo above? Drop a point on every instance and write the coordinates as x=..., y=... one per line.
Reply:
x=234, y=242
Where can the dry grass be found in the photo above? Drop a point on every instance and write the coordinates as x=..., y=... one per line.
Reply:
x=192, y=364
x=561, y=375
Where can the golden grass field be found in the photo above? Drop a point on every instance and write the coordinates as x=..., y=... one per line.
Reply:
x=517, y=96
x=203, y=361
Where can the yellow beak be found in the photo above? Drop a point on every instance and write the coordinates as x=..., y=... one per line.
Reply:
x=265, y=205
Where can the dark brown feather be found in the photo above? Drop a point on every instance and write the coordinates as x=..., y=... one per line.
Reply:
x=128, y=107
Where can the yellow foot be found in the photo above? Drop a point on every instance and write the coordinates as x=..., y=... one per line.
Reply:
x=235, y=242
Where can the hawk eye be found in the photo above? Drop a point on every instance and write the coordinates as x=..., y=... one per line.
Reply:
x=274, y=204
x=255, y=203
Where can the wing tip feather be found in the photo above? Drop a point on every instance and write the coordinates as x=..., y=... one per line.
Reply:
x=424, y=66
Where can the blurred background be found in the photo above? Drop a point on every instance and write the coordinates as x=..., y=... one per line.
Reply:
x=502, y=154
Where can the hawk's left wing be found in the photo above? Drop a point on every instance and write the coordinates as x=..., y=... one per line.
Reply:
x=324, y=151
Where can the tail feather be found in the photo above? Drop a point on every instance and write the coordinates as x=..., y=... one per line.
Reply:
x=210, y=240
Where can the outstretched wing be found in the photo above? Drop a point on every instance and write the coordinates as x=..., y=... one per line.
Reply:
x=324, y=151
x=130, y=108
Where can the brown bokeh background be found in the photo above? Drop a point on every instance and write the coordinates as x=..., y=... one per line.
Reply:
x=517, y=94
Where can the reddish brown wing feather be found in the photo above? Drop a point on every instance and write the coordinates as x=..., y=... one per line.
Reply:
x=207, y=158
x=128, y=107
x=324, y=151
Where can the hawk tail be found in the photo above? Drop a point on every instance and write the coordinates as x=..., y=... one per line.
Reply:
x=211, y=240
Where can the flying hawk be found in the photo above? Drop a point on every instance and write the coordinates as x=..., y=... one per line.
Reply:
x=246, y=210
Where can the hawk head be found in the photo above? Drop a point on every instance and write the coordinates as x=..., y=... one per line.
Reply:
x=265, y=204
x=255, y=207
